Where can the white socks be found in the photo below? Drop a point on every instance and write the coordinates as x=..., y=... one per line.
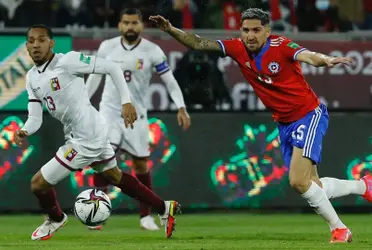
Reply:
x=318, y=200
x=337, y=188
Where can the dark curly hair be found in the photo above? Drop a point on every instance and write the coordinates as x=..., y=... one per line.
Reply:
x=255, y=13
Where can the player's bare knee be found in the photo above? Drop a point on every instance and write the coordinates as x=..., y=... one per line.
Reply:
x=300, y=180
x=140, y=165
x=298, y=184
x=39, y=184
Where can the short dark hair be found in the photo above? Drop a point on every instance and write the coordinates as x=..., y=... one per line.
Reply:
x=131, y=11
x=41, y=26
x=255, y=13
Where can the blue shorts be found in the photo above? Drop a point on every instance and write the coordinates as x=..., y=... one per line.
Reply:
x=306, y=133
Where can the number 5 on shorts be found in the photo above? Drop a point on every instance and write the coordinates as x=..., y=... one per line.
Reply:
x=299, y=134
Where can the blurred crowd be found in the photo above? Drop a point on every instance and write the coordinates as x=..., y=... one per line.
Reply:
x=288, y=15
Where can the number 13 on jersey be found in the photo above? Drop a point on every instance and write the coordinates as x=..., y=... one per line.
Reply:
x=49, y=102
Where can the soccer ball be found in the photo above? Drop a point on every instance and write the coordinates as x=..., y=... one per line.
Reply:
x=92, y=207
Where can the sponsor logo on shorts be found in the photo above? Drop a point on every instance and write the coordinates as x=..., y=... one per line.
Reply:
x=70, y=154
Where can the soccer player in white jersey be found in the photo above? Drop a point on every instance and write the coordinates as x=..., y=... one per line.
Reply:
x=137, y=58
x=56, y=81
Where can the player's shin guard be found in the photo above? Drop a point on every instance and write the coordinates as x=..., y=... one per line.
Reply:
x=48, y=202
x=145, y=179
x=99, y=181
x=132, y=187
x=318, y=200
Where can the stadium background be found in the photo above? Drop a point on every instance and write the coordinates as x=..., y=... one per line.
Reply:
x=230, y=157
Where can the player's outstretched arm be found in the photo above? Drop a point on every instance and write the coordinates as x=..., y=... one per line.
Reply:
x=186, y=38
x=103, y=66
x=77, y=63
x=94, y=80
x=320, y=60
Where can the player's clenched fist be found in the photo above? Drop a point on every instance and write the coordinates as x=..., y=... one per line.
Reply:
x=129, y=114
x=161, y=23
x=19, y=137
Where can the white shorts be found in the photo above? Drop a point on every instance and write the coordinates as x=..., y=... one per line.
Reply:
x=74, y=157
x=133, y=141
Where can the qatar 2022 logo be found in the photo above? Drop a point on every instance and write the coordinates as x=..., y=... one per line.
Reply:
x=255, y=172
x=161, y=151
x=11, y=156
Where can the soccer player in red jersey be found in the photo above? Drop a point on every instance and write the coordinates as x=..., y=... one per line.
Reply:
x=271, y=64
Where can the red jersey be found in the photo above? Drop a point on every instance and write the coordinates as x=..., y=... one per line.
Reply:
x=275, y=76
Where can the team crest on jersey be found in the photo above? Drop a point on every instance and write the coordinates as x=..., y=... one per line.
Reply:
x=274, y=67
x=139, y=64
x=54, y=84
x=70, y=154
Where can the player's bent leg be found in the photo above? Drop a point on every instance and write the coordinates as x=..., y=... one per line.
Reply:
x=101, y=182
x=130, y=186
x=335, y=188
x=141, y=169
x=300, y=176
x=42, y=186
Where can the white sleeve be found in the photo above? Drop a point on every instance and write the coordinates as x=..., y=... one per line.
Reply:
x=77, y=63
x=35, y=111
x=92, y=84
x=159, y=61
x=173, y=88
x=35, y=118
x=94, y=80
x=30, y=92
x=103, y=66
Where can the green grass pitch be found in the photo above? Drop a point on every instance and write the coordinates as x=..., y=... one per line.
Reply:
x=194, y=231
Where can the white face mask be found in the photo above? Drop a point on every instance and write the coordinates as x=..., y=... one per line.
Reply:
x=322, y=4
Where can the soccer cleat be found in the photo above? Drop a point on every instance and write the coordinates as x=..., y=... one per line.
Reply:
x=341, y=235
x=148, y=223
x=168, y=218
x=99, y=227
x=46, y=230
x=368, y=194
